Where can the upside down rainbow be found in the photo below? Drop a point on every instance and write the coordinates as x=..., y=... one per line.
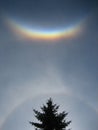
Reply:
x=40, y=34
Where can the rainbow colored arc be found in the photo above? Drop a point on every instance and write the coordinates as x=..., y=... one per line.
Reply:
x=35, y=34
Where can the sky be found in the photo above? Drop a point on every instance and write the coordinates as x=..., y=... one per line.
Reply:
x=48, y=48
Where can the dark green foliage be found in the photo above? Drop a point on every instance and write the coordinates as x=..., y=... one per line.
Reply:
x=49, y=118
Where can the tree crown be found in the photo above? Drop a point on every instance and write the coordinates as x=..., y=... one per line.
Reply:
x=49, y=118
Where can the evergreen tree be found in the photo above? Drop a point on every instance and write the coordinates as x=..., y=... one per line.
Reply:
x=49, y=118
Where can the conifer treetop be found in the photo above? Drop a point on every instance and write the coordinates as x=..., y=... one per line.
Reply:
x=49, y=118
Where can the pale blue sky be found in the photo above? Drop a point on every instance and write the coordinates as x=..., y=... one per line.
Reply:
x=66, y=70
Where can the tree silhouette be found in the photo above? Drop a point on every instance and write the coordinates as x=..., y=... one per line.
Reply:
x=49, y=118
